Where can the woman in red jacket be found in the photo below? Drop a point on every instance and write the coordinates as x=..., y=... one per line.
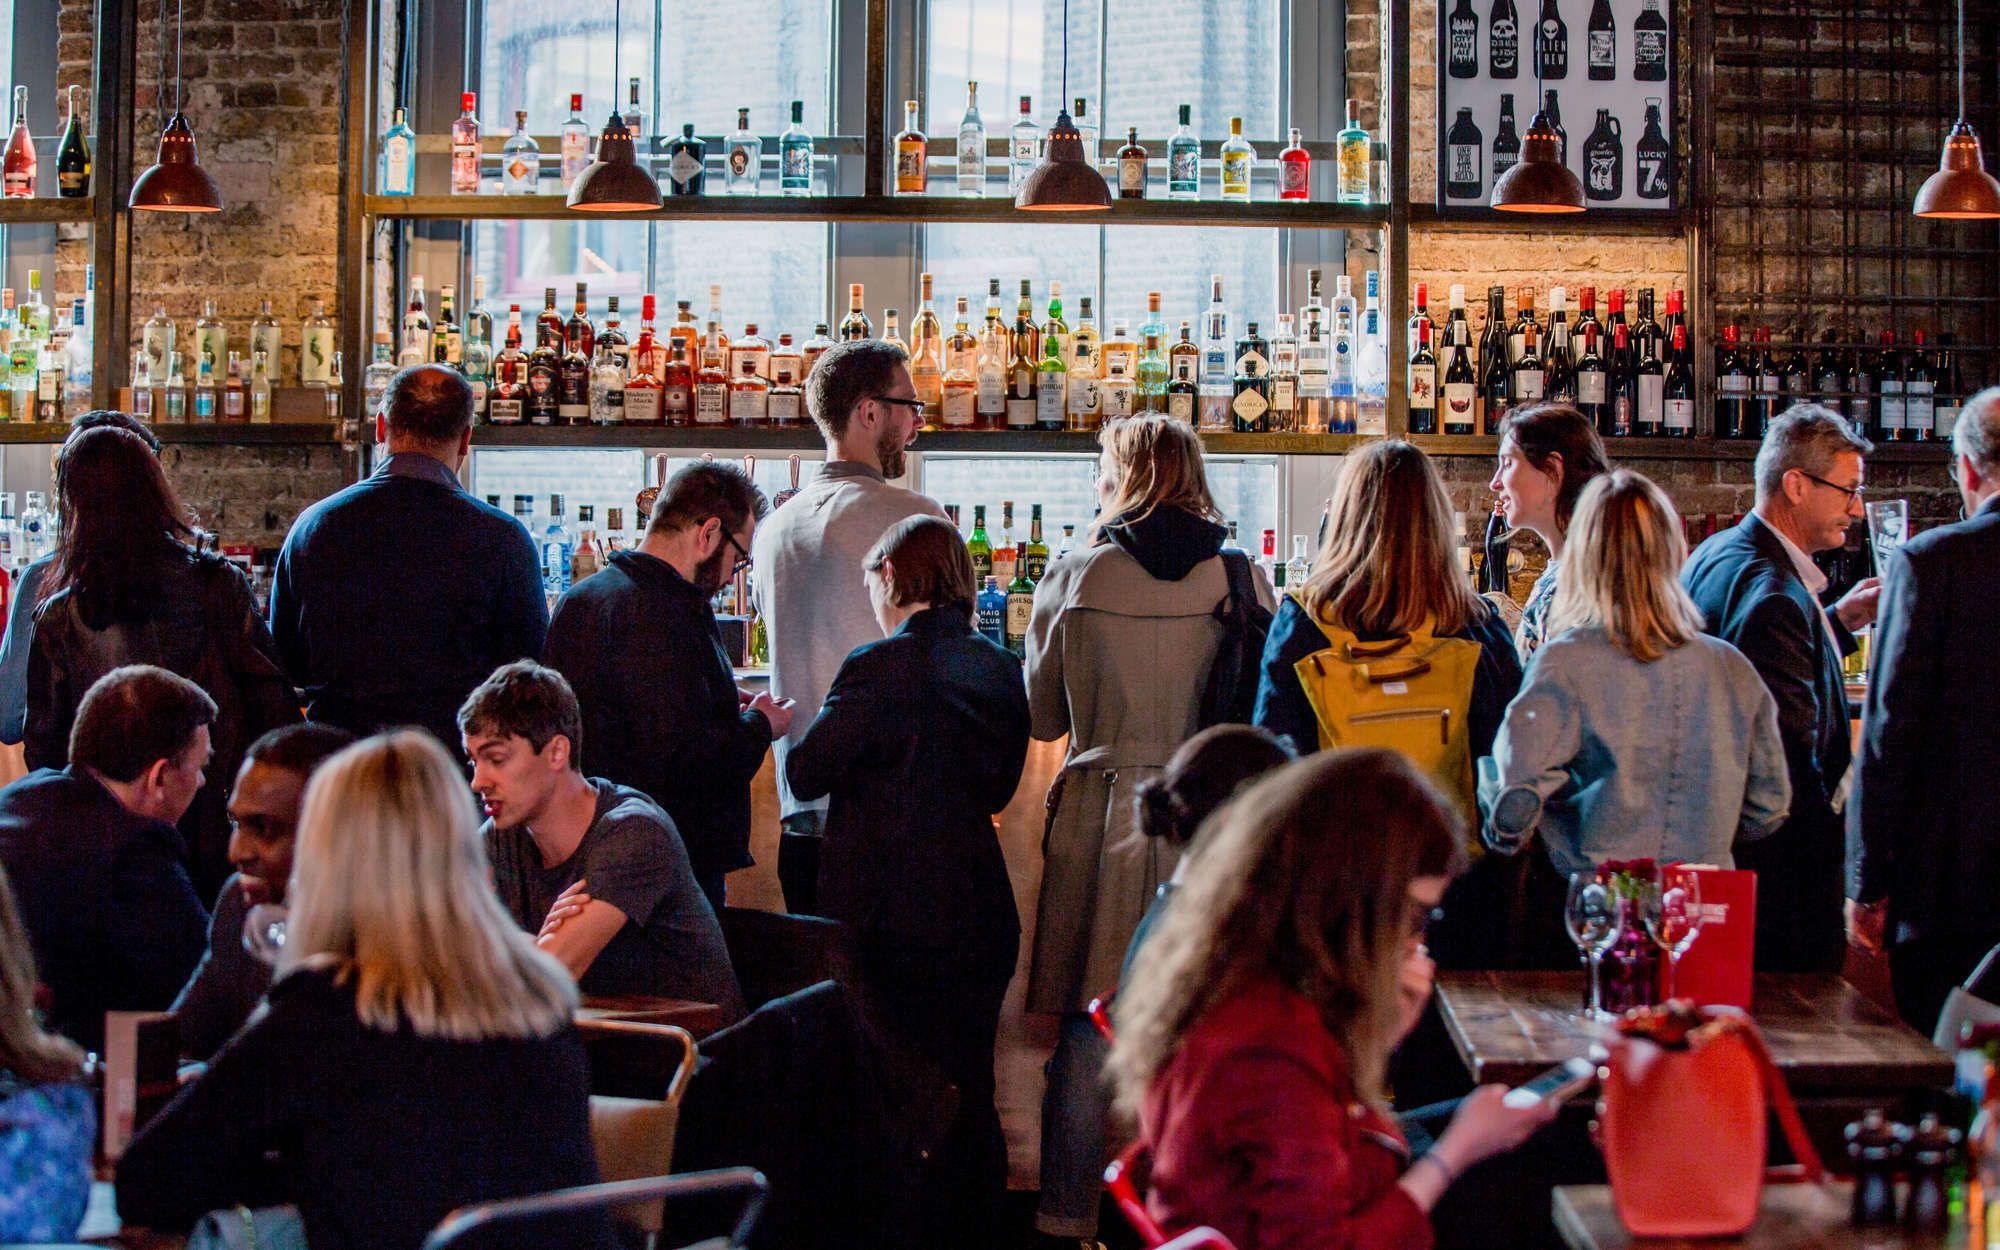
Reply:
x=1255, y=1029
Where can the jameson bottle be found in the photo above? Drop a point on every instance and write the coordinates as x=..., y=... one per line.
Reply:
x=1653, y=156
x=1604, y=159
x=1462, y=31
x=1503, y=40
x=1462, y=180
x=1649, y=44
x=1601, y=42
x=1506, y=143
x=1551, y=43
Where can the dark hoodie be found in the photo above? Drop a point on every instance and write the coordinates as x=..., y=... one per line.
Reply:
x=1168, y=542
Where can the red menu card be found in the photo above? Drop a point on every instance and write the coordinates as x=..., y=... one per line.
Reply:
x=1717, y=967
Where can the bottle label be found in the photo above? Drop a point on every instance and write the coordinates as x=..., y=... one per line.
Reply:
x=396, y=166
x=1284, y=393
x=1946, y=420
x=959, y=408
x=1893, y=408
x=684, y=168
x=1027, y=150
x=522, y=172
x=1235, y=173
x=1049, y=403
x=1215, y=366
x=1735, y=383
x=1458, y=402
x=1680, y=414
x=1649, y=47
x=260, y=407
x=711, y=403
x=1187, y=367
x=316, y=355
x=749, y=407
x=464, y=167
x=1115, y=397
x=798, y=164
x=1184, y=168
x=1292, y=179
x=1250, y=405
x=1603, y=49
x=1353, y=170
x=1083, y=396
x=1464, y=50
x=1020, y=611
x=1528, y=384
x=909, y=167
x=1603, y=171
x=1919, y=411
x=1132, y=173
x=1652, y=174
x=783, y=407
x=1020, y=412
x=675, y=402
x=739, y=161
x=992, y=392
x=642, y=404
x=1180, y=406
x=1465, y=167
x=1590, y=387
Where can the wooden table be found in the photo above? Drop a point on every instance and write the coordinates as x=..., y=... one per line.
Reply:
x=1790, y=1217
x=698, y=1018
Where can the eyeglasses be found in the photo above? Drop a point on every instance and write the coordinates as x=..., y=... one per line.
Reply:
x=742, y=556
x=1853, y=493
x=914, y=405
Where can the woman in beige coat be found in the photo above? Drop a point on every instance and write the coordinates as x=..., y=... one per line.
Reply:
x=1119, y=649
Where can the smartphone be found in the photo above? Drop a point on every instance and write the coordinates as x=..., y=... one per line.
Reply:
x=1557, y=1084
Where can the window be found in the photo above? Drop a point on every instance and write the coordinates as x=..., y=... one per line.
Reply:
x=599, y=480
x=1246, y=489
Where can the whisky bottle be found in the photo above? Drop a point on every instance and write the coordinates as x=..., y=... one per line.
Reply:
x=912, y=156
x=1083, y=409
x=991, y=371
x=1183, y=378
x=927, y=355
x=645, y=391
x=749, y=397
x=958, y=389
x=892, y=333
x=573, y=381
x=993, y=611
x=785, y=406
x=1084, y=340
x=507, y=403
x=447, y=340
x=543, y=402
x=752, y=347
x=1237, y=158
x=855, y=324
x=1462, y=38
x=1051, y=386
x=818, y=345
x=711, y=380
x=1035, y=560
x=1122, y=350
x=520, y=160
x=1020, y=608
x=1117, y=392
x=1023, y=358
x=979, y=546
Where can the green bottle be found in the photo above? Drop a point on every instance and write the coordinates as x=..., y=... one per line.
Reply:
x=1020, y=607
x=980, y=547
x=1051, y=386
x=1036, y=560
x=1152, y=376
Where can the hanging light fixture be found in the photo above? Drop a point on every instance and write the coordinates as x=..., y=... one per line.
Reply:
x=1066, y=180
x=1961, y=189
x=176, y=182
x=1539, y=182
x=614, y=182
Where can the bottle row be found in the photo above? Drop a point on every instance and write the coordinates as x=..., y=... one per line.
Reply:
x=1645, y=58
x=45, y=354
x=18, y=166
x=1888, y=393
x=202, y=378
x=741, y=156
x=1602, y=169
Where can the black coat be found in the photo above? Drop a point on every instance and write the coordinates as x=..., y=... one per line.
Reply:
x=920, y=742
x=640, y=646
x=1745, y=583
x=1924, y=822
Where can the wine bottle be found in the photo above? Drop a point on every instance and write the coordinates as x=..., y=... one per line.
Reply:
x=73, y=156
x=1732, y=383
x=1593, y=384
x=1493, y=372
x=1423, y=383
x=1767, y=397
x=1679, y=389
x=1461, y=385
x=1558, y=363
x=1650, y=420
x=1623, y=373
x=1528, y=375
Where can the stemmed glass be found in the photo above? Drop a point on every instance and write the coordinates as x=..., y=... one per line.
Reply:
x=264, y=931
x=1672, y=914
x=1593, y=914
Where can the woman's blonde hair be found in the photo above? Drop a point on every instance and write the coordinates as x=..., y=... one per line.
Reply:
x=1303, y=879
x=392, y=890
x=1621, y=569
x=35, y=1057
x=1390, y=562
x=1157, y=464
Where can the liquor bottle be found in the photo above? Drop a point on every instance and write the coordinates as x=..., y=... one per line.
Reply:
x=749, y=396
x=1558, y=361
x=1829, y=377
x=1184, y=161
x=1117, y=391
x=1604, y=158
x=211, y=337
x=1023, y=358
x=1086, y=131
x=1462, y=38
x=1294, y=167
x=1371, y=361
x=1601, y=42
x=558, y=544
x=1864, y=376
x=1250, y=394
x=990, y=403
x=1649, y=44
x=795, y=155
x=1919, y=393
x=1678, y=389
x=1551, y=43
x=142, y=387
x=479, y=318
x=382, y=368
x=465, y=147
x=607, y=383
x=1237, y=158
x=266, y=335
x=1035, y=558
x=1732, y=385
x=588, y=557
x=1051, y=385
x=683, y=336
x=927, y=355
x=507, y=401
x=260, y=389
x=1492, y=363
x=750, y=346
x=543, y=403
x=892, y=333
x=1648, y=391
x=235, y=405
x=614, y=335
x=687, y=170
x=1085, y=336
x=1132, y=167
x=1055, y=327
x=1354, y=155
x=447, y=339
x=1949, y=388
x=35, y=321
x=855, y=324
x=1503, y=50
x=1020, y=608
x=1655, y=157
x=416, y=344
x=575, y=142
x=971, y=146
x=815, y=347
x=1315, y=334
x=1593, y=389
x=1151, y=383
x=958, y=398
x=1423, y=384
x=1420, y=316
x=175, y=398
x=156, y=339
x=1215, y=359
x=711, y=380
x=1464, y=159
x=73, y=155
x=1024, y=146
x=743, y=158
x=1183, y=378
x=521, y=160
x=20, y=160
x=993, y=612
x=1506, y=143
x=645, y=390
x=1460, y=388
x=979, y=546
x=204, y=385
x=1893, y=410
x=1284, y=376
x=912, y=163
x=573, y=379
x=79, y=367
x=1528, y=374
x=786, y=405
x=642, y=141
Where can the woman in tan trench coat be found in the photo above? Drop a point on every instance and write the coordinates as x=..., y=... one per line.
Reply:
x=1119, y=649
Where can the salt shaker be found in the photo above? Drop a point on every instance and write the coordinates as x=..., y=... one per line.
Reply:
x=1932, y=1151
x=1875, y=1145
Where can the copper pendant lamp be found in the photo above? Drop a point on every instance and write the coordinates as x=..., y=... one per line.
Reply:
x=176, y=182
x=1066, y=180
x=1961, y=189
x=614, y=182
x=1539, y=182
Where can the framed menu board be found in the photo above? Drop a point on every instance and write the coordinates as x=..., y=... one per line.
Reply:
x=1607, y=80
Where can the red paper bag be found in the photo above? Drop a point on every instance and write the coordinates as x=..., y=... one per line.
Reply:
x=1716, y=971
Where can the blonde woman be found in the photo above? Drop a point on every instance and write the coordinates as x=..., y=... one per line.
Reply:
x=1636, y=736
x=1119, y=649
x=48, y=1120
x=1255, y=1030
x=416, y=1051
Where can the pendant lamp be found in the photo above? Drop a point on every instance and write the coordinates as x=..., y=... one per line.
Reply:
x=614, y=182
x=1961, y=189
x=176, y=182
x=1539, y=182
x=1066, y=180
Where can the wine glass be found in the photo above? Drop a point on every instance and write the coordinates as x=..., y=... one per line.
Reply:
x=264, y=931
x=1593, y=914
x=1672, y=915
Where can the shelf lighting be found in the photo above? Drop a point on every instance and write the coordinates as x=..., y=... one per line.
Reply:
x=1961, y=189
x=1539, y=182
x=613, y=182
x=176, y=182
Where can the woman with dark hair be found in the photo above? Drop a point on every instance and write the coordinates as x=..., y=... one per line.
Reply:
x=49, y=1117
x=1548, y=454
x=1254, y=1038
x=131, y=586
x=919, y=744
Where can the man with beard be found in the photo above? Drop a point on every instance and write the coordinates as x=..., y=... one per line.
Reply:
x=640, y=647
x=808, y=584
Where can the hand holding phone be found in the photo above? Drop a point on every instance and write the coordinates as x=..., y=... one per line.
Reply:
x=1557, y=1085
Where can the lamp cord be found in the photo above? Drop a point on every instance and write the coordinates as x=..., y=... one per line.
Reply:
x=617, y=39
x=1961, y=59
x=179, y=39
x=1064, y=102
x=161, y=99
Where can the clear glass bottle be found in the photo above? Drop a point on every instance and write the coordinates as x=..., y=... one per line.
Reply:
x=266, y=335
x=1087, y=130
x=465, y=147
x=1355, y=154
x=399, y=158
x=795, y=155
x=1344, y=373
x=1024, y=146
x=20, y=160
x=77, y=362
x=415, y=347
x=142, y=387
x=971, y=146
x=156, y=341
x=558, y=545
x=959, y=387
x=375, y=378
x=521, y=160
x=211, y=337
x=912, y=154
x=1237, y=158
x=316, y=347
x=1217, y=376
x=1184, y=161
x=927, y=355
x=575, y=142
x=235, y=399
x=743, y=158
x=205, y=390
x=38, y=530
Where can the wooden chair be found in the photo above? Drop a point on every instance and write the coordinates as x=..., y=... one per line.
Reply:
x=634, y=1137
x=613, y=1195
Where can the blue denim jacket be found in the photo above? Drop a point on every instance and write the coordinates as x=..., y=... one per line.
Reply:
x=1611, y=758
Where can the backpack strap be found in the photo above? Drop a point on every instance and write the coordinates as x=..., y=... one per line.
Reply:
x=1242, y=590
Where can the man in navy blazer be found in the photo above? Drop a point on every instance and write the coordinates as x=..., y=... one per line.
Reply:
x=1924, y=826
x=1759, y=589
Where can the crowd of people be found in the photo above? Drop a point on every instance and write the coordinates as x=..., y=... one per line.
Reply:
x=488, y=811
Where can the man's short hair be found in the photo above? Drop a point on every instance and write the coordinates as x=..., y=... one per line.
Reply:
x=299, y=748
x=847, y=374
x=525, y=700
x=1977, y=434
x=429, y=404
x=1807, y=437
x=135, y=716
x=707, y=489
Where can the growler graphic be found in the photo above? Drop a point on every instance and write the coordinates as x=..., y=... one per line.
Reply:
x=1604, y=159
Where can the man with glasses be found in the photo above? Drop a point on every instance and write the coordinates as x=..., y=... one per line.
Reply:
x=808, y=583
x=1760, y=590
x=639, y=644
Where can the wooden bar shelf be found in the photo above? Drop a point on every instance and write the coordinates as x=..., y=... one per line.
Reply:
x=44, y=209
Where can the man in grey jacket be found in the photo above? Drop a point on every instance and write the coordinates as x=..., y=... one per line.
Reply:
x=807, y=558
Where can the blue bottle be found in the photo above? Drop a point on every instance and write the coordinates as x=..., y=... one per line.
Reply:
x=993, y=612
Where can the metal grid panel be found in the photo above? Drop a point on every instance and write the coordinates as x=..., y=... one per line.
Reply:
x=1828, y=115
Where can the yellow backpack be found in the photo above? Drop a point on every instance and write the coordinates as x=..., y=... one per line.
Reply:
x=1411, y=694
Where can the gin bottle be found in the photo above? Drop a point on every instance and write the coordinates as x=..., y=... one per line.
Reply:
x=521, y=160
x=399, y=158
x=795, y=154
x=1024, y=146
x=743, y=156
x=971, y=146
x=575, y=142
x=1184, y=161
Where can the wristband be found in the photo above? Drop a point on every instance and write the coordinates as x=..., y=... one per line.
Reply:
x=1431, y=1157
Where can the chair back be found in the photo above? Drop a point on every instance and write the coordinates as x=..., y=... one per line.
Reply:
x=776, y=953
x=1122, y=1179
x=1100, y=1013
x=747, y=1183
x=634, y=1137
